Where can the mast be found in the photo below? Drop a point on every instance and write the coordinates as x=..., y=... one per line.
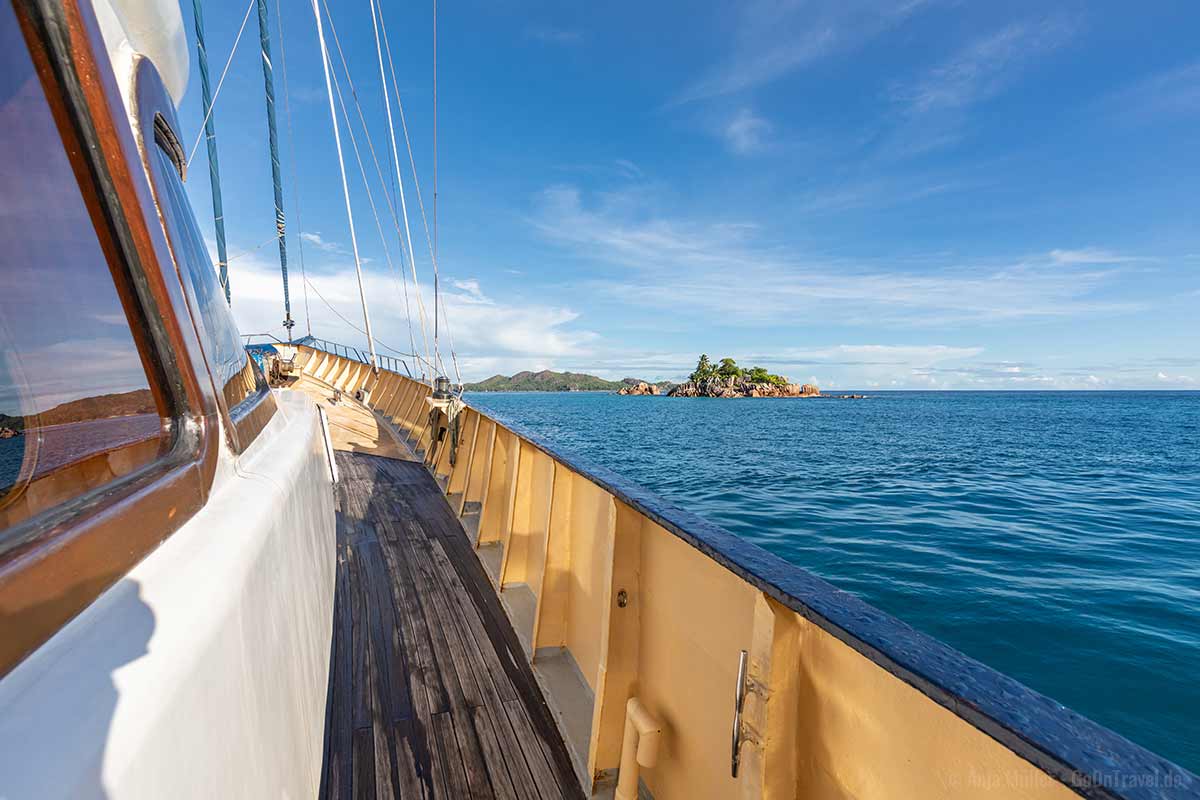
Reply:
x=210, y=137
x=435, y=186
x=269, y=84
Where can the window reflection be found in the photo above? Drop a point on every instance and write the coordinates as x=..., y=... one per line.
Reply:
x=76, y=408
x=233, y=370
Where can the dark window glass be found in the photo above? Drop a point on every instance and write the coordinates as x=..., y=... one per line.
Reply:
x=76, y=407
x=234, y=371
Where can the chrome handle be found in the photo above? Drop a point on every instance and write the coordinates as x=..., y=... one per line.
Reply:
x=739, y=699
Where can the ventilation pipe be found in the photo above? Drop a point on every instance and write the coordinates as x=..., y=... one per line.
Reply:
x=639, y=748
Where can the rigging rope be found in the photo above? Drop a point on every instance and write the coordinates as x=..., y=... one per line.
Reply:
x=416, y=356
x=250, y=250
x=287, y=113
x=209, y=131
x=204, y=69
x=387, y=254
x=387, y=104
x=391, y=208
x=413, y=164
x=264, y=38
x=345, y=186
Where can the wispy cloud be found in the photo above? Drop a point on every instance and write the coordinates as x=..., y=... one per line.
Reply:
x=772, y=38
x=1175, y=91
x=746, y=133
x=627, y=168
x=618, y=167
x=1091, y=255
x=551, y=35
x=933, y=107
x=471, y=291
x=879, y=192
x=692, y=267
x=984, y=67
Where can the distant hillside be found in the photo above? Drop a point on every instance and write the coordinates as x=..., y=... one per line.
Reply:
x=139, y=401
x=548, y=381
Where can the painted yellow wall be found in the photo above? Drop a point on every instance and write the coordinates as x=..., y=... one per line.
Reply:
x=866, y=734
x=497, y=508
x=592, y=518
x=695, y=618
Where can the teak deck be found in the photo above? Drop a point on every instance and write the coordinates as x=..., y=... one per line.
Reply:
x=430, y=694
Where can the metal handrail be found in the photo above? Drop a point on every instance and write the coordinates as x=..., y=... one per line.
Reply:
x=271, y=336
x=390, y=363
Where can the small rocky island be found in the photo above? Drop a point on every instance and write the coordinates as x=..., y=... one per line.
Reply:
x=642, y=387
x=727, y=379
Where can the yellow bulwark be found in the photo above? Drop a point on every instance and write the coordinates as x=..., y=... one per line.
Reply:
x=610, y=604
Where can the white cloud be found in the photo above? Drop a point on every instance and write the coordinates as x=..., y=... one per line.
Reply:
x=473, y=294
x=488, y=332
x=746, y=132
x=315, y=239
x=1176, y=380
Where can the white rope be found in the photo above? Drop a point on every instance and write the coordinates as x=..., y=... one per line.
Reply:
x=387, y=104
x=416, y=356
x=345, y=186
x=387, y=254
x=220, y=83
x=379, y=172
x=412, y=162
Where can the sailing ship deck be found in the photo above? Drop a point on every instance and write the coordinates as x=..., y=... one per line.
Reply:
x=430, y=695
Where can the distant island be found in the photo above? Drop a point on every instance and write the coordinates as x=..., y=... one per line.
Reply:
x=549, y=381
x=105, y=406
x=727, y=379
x=723, y=379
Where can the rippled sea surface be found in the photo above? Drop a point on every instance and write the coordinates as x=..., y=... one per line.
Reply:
x=1054, y=536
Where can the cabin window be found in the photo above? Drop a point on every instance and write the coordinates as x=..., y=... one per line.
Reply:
x=77, y=407
x=236, y=374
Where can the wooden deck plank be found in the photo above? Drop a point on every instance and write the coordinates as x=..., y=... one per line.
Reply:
x=463, y=695
x=428, y=698
x=352, y=425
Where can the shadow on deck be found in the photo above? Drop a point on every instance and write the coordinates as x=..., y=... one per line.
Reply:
x=430, y=694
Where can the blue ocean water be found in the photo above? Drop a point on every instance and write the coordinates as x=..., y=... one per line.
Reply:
x=1055, y=536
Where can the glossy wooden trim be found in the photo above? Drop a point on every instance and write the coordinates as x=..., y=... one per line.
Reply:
x=57, y=563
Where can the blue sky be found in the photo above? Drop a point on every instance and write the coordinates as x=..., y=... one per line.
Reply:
x=868, y=195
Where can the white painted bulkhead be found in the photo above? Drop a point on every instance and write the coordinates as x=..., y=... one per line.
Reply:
x=203, y=673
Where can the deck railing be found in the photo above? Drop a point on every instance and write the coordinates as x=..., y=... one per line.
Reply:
x=616, y=594
x=386, y=362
